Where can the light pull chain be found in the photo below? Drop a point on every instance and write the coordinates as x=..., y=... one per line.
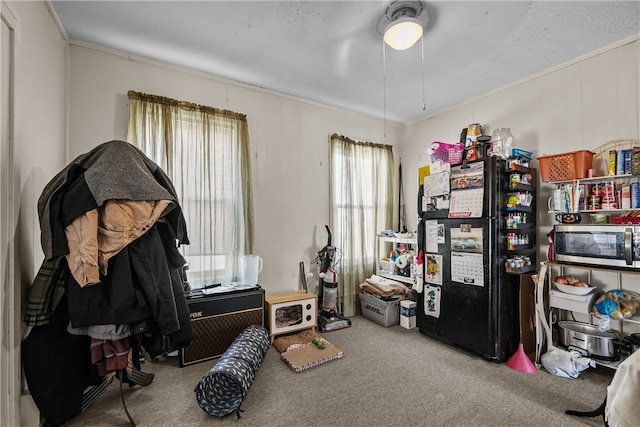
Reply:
x=424, y=102
x=384, y=88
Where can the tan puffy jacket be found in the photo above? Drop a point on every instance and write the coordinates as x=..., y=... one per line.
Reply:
x=99, y=234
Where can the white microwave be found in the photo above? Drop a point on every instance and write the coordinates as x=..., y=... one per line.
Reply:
x=605, y=245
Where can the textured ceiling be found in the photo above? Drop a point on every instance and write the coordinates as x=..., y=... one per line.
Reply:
x=330, y=52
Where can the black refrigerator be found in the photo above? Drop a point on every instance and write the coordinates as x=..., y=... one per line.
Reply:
x=472, y=223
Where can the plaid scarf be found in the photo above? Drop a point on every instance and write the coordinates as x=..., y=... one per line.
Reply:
x=46, y=291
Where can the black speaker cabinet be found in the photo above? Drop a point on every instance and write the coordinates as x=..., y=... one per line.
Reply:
x=218, y=319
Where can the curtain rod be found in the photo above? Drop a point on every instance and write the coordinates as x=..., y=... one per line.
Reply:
x=347, y=139
x=185, y=105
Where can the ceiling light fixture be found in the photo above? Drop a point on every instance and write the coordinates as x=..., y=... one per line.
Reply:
x=403, y=33
x=403, y=23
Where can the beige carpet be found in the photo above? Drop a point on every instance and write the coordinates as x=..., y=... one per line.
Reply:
x=387, y=377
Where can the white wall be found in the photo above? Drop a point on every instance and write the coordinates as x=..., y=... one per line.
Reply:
x=580, y=105
x=289, y=140
x=40, y=127
x=39, y=135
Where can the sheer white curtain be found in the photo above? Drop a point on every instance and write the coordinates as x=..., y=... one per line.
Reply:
x=206, y=153
x=361, y=198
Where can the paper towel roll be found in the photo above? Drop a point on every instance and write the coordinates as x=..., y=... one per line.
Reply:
x=402, y=261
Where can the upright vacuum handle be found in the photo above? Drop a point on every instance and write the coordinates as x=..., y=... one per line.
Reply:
x=328, y=232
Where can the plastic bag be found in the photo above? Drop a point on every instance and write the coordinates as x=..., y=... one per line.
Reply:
x=566, y=364
x=616, y=304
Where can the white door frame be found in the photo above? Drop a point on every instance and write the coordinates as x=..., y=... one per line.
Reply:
x=10, y=388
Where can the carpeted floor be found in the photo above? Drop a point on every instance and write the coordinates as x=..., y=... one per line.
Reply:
x=387, y=377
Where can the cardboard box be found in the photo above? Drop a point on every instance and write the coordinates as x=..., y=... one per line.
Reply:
x=386, y=313
x=408, y=314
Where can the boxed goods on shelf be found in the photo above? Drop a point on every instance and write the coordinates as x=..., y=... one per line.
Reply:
x=566, y=166
x=635, y=160
x=388, y=266
x=625, y=219
x=519, y=152
x=386, y=313
x=408, y=314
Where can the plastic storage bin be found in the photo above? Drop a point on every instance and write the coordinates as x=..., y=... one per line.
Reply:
x=446, y=152
x=386, y=313
x=566, y=166
x=576, y=303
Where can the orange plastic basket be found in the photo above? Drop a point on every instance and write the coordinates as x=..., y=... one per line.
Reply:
x=566, y=166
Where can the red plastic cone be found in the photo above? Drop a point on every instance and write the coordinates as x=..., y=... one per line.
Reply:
x=521, y=362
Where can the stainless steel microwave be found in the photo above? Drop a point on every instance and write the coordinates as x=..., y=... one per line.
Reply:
x=605, y=245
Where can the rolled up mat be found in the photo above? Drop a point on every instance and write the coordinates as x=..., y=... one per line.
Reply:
x=221, y=390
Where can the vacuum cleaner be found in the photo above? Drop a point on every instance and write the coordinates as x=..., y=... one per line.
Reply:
x=328, y=317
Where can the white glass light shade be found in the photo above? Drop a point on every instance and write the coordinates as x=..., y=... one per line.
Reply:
x=403, y=33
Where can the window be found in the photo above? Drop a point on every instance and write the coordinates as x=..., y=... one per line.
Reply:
x=205, y=152
x=361, y=192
